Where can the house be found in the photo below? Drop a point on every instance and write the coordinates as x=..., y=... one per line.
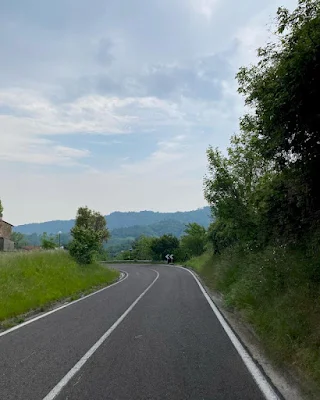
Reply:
x=6, y=244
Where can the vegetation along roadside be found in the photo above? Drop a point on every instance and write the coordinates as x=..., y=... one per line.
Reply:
x=264, y=246
x=33, y=281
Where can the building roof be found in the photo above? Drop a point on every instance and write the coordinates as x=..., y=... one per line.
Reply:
x=6, y=222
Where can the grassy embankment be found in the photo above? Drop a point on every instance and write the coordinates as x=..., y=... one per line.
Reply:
x=277, y=294
x=33, y=281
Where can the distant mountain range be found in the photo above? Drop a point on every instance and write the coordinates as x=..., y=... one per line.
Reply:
x=127, y=224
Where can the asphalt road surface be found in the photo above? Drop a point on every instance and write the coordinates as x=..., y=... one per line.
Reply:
x=153, y=335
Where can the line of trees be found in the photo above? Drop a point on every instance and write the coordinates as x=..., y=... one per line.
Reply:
x=191, y=244
x=265, y=240
x=265, y=191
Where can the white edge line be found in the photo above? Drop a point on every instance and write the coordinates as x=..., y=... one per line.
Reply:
x=30, y=321
x=257, y=375
x=76, y=368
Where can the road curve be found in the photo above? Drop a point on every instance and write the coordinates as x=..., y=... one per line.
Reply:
x=152, y=336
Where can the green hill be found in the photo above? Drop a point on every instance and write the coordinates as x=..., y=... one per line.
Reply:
x=124, y=227
x=117, y=220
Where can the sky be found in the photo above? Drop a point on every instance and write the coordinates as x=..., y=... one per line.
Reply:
x=112, y=104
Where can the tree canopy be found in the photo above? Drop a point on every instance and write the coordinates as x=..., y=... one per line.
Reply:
x=265, y=188
x=164, y=245
x=193, y=242
x=48, y=242
x=18, y=239
x=283, y=92
x=88, y=234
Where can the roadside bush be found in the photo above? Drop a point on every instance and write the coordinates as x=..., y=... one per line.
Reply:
x=89, y=233
x=85, y=245
x=271, y=288
x=48, y=242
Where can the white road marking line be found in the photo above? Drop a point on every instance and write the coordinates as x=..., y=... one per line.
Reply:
x=61, y=307
x=265, y=387
x=76, y=368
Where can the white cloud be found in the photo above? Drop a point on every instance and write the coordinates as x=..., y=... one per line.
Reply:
x=75, y=68
x=34, y=118
x=170, y=179
x=205, y=7
x=160, y=162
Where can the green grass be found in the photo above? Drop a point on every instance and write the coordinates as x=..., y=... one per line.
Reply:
x=30, y=281
x=277, y=291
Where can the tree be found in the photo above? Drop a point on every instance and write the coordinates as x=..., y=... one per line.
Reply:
x=92, y=220
x=265, y=188
x=48, y=242
x=230, y=189
x=283, y=90
x=89, y=233
x=1, y=208
x=19, y=240
x=164, y=245
x=142, y=248
x=193, y=242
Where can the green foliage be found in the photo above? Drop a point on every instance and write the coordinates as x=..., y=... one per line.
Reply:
x=118, y=220
x=265, y=189
x=19, y=240
x=264, y=194
x=164, y=227
x=193, y=243
x=48, y=242
x=115, y=246
x=141, y=248
x=122, y=238
x=230, y=189
x=89, y=232
x=1, y=208
x=276, y=292
x=164, y=245
x=103, y=255
x=33, y=239
x=91, y=221
x=85, y=246
x=283, y=90
x=34, y=280
x=150, y=248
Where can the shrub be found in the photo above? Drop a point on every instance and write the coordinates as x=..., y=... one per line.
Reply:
x=85, y=245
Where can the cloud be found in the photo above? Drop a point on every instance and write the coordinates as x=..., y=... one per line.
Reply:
x=195, y=80
x=169, y=179
x=104, y=52
x=156, y=76
x=205, y=7
x=41, y=152
x=161, y=161
x=28, y=130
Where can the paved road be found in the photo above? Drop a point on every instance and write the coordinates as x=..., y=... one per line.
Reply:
x=169, y=345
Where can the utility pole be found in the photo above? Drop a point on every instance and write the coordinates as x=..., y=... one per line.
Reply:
x=59, y=236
